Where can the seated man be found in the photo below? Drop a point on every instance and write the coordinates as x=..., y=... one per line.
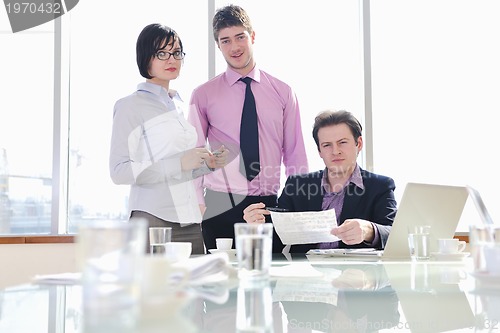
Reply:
x=364, y=202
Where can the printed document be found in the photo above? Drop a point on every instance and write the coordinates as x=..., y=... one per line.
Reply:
x=305, y=227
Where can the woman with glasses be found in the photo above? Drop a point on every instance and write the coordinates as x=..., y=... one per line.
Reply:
x=153, y=147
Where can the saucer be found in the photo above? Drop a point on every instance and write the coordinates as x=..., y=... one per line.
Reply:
x=230, y=253
x=450, y=256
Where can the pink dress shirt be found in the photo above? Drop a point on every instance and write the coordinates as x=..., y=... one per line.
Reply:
x=215, y=112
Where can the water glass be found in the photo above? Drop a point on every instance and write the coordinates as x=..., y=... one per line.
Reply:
x=110, y=255
x=419, y=242
x=253, y=249
x=158, y=236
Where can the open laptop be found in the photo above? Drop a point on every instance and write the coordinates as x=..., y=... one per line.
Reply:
x=439, y=206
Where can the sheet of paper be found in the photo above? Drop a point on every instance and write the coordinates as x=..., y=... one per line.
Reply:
x=305, y=227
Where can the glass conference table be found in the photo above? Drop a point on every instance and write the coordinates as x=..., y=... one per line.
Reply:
x=348, y=296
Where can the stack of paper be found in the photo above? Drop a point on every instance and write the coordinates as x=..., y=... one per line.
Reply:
x=203, y=269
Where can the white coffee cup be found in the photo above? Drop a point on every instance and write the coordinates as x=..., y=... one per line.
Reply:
x=451, y=245
x=224, y=244
x=178, y=251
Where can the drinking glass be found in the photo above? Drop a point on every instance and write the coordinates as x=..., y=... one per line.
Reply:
x=158, y=236
x=419, y=242
x=110, y=255
x=253, y=249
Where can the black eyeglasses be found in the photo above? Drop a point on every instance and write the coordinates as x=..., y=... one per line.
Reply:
x=164, y=55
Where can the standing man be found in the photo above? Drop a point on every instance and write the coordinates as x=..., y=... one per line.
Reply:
x=256, y=117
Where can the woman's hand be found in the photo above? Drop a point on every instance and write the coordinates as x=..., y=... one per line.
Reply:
x=194, y=158
x=218, y=158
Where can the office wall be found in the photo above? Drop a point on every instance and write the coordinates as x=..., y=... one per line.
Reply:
x=19, y=263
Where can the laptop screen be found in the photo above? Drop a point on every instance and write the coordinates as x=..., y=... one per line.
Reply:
x=439, y=206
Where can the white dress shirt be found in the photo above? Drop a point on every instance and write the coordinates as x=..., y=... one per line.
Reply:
x=150, y=134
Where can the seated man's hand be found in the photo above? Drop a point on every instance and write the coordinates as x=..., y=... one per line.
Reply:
x=255, y=213
x=354, y=231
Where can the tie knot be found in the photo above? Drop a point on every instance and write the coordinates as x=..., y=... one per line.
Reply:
x=247, y=80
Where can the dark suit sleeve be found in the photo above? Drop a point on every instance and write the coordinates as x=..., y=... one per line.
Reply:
x=375, y=203
x=385, y=207
x=302, y=193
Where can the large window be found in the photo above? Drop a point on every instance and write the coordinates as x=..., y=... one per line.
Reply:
x=435, y=83
x=26, y=128
x=316, y=49
x=436, y=78
x=103, y=70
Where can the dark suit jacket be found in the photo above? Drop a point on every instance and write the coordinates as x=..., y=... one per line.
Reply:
x=376, y=203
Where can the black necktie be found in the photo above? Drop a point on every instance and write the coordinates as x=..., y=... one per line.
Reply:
x=249, y=135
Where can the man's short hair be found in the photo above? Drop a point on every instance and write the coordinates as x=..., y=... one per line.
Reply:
x=330, y=117
x=230, y=16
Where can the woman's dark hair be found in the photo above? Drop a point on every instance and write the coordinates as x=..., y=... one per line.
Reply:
x=153, y=38
x=328, y=118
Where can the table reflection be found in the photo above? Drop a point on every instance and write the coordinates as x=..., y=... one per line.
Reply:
x=429, y=301
x=487, y=306
x=349, y=298
x=346, y=297
x=249, y=308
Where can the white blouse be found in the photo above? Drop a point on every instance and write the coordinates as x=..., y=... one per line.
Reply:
x=150, y=135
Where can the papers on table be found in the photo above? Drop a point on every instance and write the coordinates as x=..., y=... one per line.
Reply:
x=203, y=269
x=207, y=269
x=305, y=227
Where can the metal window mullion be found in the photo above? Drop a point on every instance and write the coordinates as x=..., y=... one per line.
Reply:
x=211, y=44
x=60, y=137
x=367, y=84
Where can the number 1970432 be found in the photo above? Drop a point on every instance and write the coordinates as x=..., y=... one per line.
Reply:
x=34, y=8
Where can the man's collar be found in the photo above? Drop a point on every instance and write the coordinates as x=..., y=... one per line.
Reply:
x=233, y=76
x=355, y=178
